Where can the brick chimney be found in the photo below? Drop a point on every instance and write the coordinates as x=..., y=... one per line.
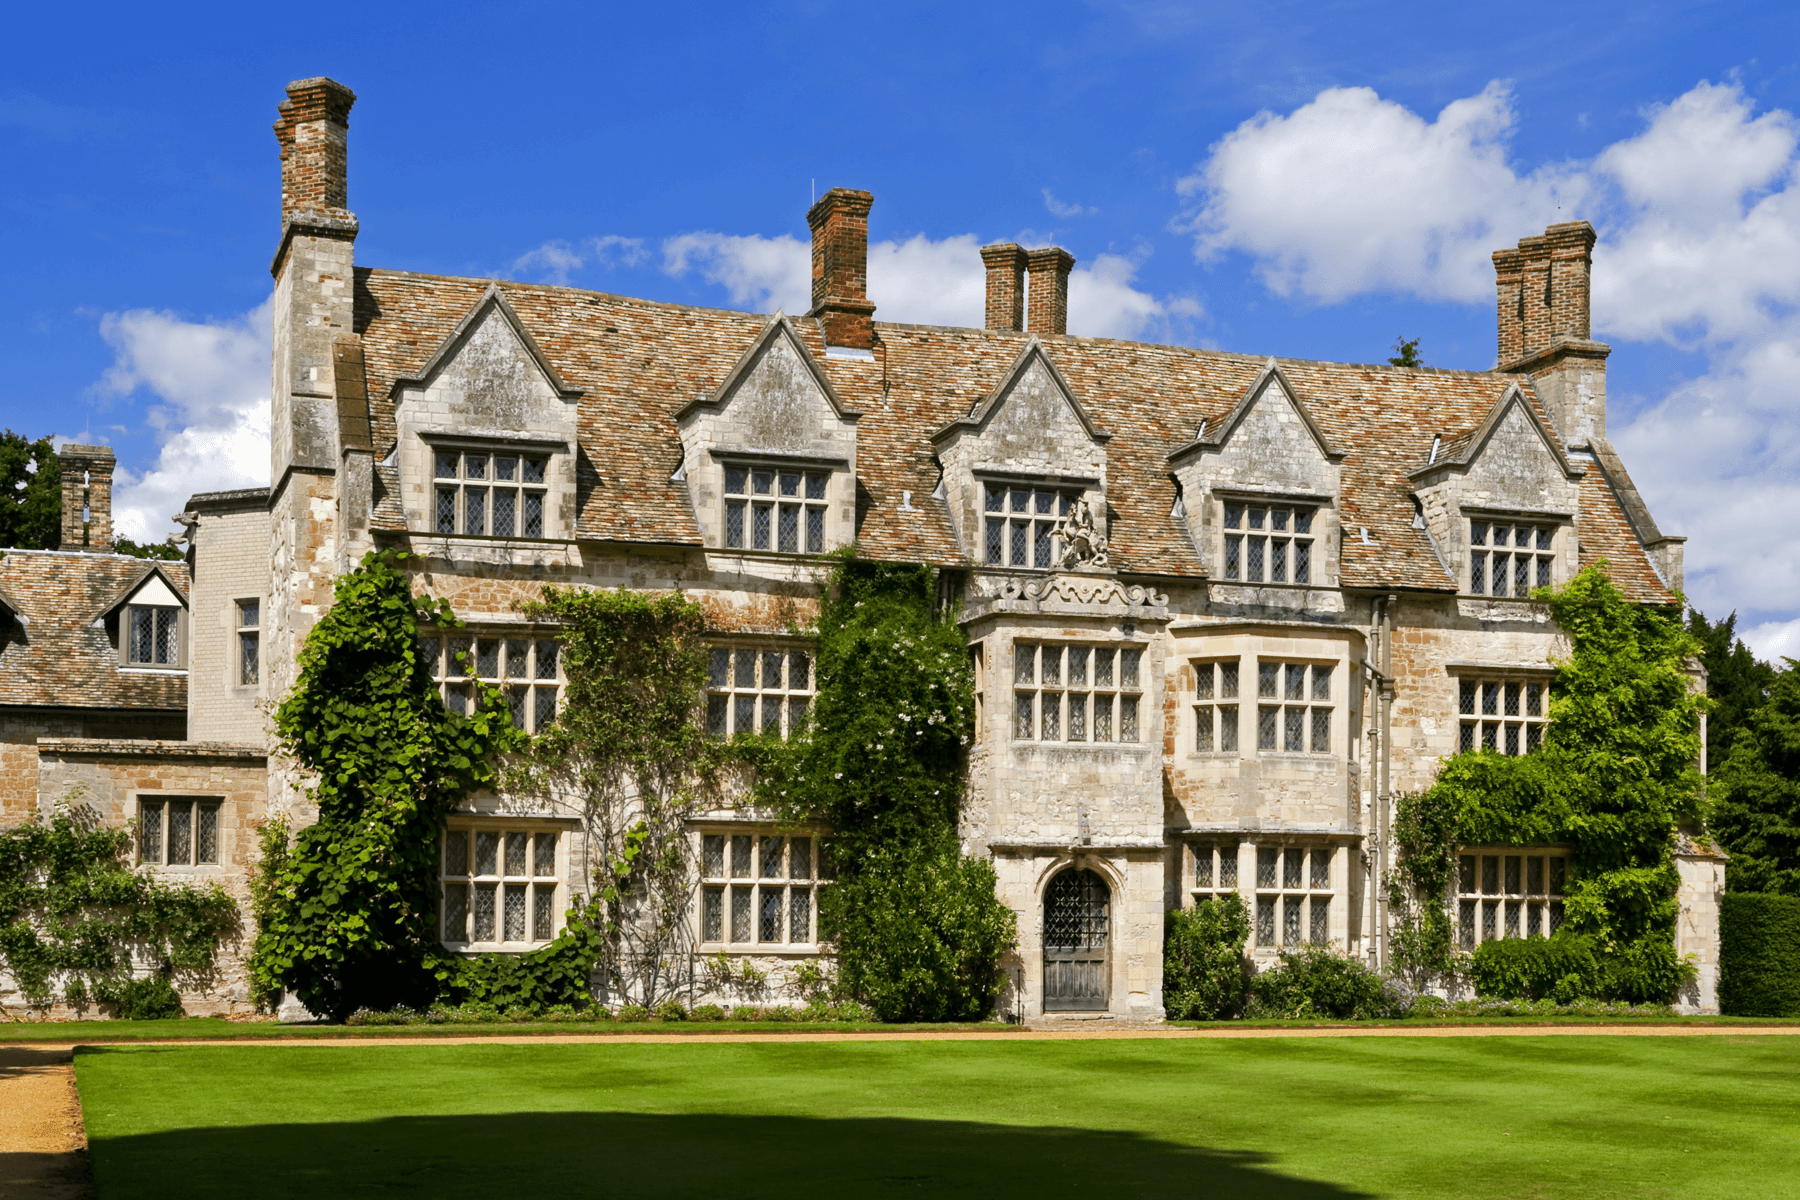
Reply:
x=840, y=267
x=1049, y=311
x=87, y=473
x=1545, y=331
x=1005, y=286
x=313, y=130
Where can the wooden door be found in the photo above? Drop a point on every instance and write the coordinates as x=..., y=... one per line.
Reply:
x=1077, y=912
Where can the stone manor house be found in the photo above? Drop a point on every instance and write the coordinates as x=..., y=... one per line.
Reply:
x=1221, y=608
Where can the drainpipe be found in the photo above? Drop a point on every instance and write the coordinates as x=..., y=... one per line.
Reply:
x=1384, y=797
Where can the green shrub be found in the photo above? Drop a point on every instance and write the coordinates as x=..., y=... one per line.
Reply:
x=1562, y=968
x=746, y=1012
x=395, y=1016
x=633, y=1012
x=1759, y=955
x=780, y=1012
x=707, y=1012
x=1317, y=982
x=671, y=1010
x=1203, y=960
x=152, y=998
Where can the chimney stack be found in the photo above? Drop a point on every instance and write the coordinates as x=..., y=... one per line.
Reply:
x=840, y=268
x=1005, y=286
x=314, y=132
x=1542, y=297
x=1049, y=311
x=87, y=473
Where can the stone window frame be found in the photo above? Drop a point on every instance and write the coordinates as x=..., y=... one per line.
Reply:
x=1216, y=723
x=783, y=894
x=1508, y=891
x=156, y=819
x=544, y=897
x=1125, y=702
x=1546, y=566
x=1289, y=896
x=729, y=696
x=133, y=618
x=1511, y=732
x=810, y=504
x=1305, y=700
x=246, y=648
x=1010, y=532
x=458, y=486
x=533, y=698
x=1234, y=568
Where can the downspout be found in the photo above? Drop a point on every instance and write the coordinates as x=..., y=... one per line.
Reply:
x=1383, y=796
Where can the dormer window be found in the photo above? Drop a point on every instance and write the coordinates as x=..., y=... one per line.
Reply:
x=1268, y=543
x=1508, y=558
x=1022, y=524
x=775, y=508
x=489, y=493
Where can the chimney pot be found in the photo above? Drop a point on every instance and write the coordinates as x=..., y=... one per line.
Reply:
x=1005, y=263
x=1049, y=311
x=840, y=267
x=87, y=473
x=313, y=132
x=1543, y=290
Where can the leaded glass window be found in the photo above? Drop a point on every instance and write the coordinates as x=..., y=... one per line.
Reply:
x=489, y=493
x=768, y=882
x=500, y=888
x=757, y=689
x=1268, y=543
x=1216, y=714
x=178, y=831
x=1021, y=523
x=1509, y=892
x=1508, y=558
x=1505, y=715
x=249, y=641
x=1294, y=881
x=524, y=668
x=1076, y=694
x=1300, y=722
x=152, y=636
x=775, y=508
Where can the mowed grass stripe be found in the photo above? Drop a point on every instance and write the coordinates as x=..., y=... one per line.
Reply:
x=1479, y=1117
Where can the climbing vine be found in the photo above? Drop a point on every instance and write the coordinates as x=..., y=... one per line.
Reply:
x=1615, y=779
x=347, y=915
x=630, y=749
x=917, y=925
x=74, y=912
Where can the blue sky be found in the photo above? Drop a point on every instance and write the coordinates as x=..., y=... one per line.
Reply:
x=1305, y=180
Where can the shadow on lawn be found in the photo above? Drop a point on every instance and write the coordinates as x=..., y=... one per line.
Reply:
x=640, y=1154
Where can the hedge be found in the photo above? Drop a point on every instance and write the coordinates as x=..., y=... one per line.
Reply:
x=1759, y=955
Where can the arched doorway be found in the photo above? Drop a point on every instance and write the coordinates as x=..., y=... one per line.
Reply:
x=1077, y=912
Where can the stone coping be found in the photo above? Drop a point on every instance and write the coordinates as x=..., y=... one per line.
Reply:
x=146, y=748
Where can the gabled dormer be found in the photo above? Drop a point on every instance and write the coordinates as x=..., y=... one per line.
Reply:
x=770, y=454
x=1025, y=472
x=486, y=427
x=1260, y=490
x=148, y=622
x=1501, y=501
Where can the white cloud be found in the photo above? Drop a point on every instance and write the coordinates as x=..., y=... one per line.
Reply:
x=211, y=381
x=1102, y=302
x=553, y=261
x=758, y=273
x=1773, y=640
x=1699, y=217
x=1061, y=208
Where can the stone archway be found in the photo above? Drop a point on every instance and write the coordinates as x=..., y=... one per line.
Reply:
x=1077, y=963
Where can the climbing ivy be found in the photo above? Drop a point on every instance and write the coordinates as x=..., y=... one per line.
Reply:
x=347, y=915
x=1615, y=779
x=630, y=749
x=917, y=925
x=74, y=910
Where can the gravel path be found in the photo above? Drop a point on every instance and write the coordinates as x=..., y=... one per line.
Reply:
x=43, y=1149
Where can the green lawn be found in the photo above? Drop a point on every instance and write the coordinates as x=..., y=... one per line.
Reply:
x=1567, y=1116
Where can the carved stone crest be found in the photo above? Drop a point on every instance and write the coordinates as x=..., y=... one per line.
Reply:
x=1083, y=542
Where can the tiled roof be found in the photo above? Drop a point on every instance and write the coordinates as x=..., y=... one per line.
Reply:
x=638, y=362
x=58, y=657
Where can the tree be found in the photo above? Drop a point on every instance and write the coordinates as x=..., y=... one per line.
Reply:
x=630, y=743
x=348, y=916
x=1615, y=779
x=1736, y=679
x=1408, y=355
x=30, y=493
x=918, y=927
x=165, y=551
x=1755, y=795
